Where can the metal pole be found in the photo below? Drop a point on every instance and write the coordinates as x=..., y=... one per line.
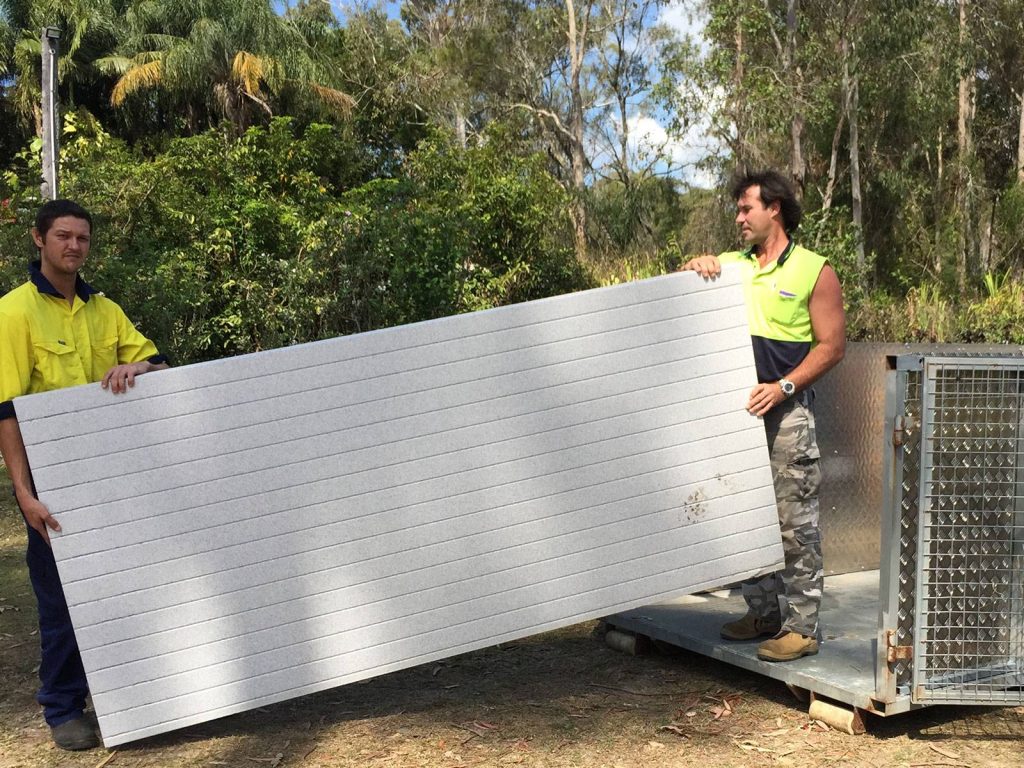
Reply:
x=51, y=112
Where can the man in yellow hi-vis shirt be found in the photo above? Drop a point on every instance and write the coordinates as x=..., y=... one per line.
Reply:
x=56, y=331
x=798, y=331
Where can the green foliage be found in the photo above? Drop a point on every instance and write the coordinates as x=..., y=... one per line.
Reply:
x=831, y=234
x=226, y=245
x=927, y=315
x=999, y=316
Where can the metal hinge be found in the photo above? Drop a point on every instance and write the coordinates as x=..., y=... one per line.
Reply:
x=894, y=652
x=898, y=426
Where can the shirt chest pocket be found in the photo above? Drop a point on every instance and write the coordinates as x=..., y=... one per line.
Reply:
x=104, y=356
x=786, y=305
x=56, y=364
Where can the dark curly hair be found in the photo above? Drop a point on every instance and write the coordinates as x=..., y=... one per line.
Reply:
x=55, y=209
x=775, y=188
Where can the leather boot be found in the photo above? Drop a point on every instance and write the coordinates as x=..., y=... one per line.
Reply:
x=749, y=627
x=787, y=646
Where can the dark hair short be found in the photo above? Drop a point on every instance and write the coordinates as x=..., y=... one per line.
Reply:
x=55, y=209
x=775, y=188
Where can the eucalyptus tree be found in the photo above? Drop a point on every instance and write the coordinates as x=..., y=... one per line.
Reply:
x=631, y=146
x=212, y=60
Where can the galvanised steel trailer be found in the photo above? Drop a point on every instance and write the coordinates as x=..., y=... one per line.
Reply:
x=922, y=510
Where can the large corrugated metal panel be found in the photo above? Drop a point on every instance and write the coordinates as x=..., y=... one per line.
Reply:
x=249, y=530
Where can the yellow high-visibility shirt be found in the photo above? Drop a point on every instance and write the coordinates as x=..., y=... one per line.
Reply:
x=47, y=343
x=778, y=307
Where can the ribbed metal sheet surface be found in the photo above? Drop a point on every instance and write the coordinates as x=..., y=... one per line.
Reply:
x=242, y=532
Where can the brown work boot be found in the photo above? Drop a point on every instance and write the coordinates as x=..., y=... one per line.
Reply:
x=749, y=627
x=787, y=646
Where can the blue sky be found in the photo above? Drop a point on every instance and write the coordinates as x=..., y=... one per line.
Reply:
x=645, y=129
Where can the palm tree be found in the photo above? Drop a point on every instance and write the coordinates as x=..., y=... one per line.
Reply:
x=217, y=59
x=88, y=31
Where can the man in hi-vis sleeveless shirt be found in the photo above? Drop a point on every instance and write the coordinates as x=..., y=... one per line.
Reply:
x=798, y=330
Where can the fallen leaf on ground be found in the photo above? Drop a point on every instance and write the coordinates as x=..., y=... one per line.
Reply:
x=750, y=747
x=672, y=728
x=273, y=762
x=480, y=729
x=944, y=752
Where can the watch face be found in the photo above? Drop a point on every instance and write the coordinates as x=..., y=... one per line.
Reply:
x=788, y=387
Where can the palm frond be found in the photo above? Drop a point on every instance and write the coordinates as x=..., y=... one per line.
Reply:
x=113, y=65
x=140, y=77
x=247, y=71
x=339, y=101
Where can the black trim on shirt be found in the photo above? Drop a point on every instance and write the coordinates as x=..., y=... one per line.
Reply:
x=7, y=410
x=35, y=273
x=751, y=252
x=158, y=359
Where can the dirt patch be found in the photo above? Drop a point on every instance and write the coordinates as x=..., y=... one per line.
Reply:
x=560, y=699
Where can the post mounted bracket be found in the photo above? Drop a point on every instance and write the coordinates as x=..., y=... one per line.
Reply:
x=895, y=652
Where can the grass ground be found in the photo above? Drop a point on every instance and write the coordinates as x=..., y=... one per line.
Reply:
x=560, y=699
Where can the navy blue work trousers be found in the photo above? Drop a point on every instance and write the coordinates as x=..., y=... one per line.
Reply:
x=64, y=687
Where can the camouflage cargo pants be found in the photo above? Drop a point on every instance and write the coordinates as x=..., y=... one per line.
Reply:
x=793, y=594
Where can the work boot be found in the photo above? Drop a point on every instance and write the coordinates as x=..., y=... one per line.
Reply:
x=75, y=734
x=749, y=627
x=787, y=646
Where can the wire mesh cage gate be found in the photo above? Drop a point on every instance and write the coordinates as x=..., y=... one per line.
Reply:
x=952, y=614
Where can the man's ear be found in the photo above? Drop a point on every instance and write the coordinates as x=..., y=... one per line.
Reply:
x=775, y=209
x=37, y=238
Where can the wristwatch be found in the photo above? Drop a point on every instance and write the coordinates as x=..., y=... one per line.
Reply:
x=788, y=387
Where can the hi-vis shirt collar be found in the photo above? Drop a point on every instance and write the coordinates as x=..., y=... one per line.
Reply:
x=35, y=271
x=751, y=252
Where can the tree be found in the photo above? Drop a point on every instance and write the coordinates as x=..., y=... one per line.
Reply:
x=87, y=32
x=217, y=59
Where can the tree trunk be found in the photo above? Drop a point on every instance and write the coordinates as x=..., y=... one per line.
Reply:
x=1020, y=140
x=938, y=199
x=739, y=107
x=797, y=164
x=833, y=161
x=459, y=121
x=853, y=107
x=967, y=252
x=577, y=47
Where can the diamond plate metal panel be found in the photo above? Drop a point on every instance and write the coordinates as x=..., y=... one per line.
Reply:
x=850, y=408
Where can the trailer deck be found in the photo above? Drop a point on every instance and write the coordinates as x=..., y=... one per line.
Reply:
x=843, y=670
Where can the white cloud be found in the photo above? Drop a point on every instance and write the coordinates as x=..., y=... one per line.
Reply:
x=649, y=138
x=685, y=19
